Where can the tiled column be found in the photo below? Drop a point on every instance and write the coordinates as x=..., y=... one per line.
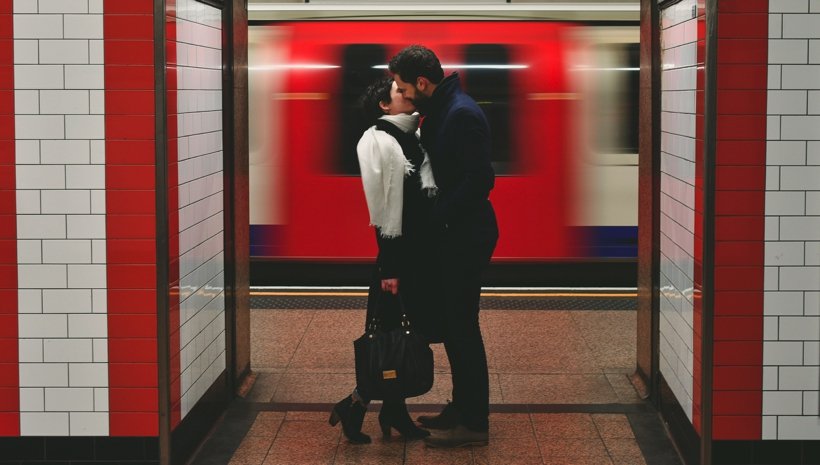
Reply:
x=9, y=368
x=59, y=106
x=791, y=347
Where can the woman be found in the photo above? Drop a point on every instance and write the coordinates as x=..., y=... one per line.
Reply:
x=398, y=185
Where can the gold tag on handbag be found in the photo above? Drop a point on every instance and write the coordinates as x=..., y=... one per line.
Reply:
x=389, y=374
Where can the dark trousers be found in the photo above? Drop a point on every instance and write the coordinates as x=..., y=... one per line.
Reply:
x=462, y=268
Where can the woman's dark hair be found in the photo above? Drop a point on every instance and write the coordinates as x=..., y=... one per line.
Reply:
x=417, y=61
x=376, y=93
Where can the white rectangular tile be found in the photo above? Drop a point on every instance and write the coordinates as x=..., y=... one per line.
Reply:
x=86, y=276
x=67, y=350
x=787, y=102
x=782, y=403
x=83, y=26
x=782, y=353
x=84, y=77
x=800, y=77
x=799, y=379
x=96, y=52
x=69, y=399
x=782, y=51
x=28, y=202
x=40, y=177
x=86, y=226
x=811, y=353
x=810, y=404
x=801, y=26
x=769, y=427
x=99, y=300
x=97, y=99
x=101, y=355
x=785, y=203
x=784, y=253
x=41, y=276
x=770, y=331
x=68, y=152
x=41, y=226
x=39, y=126
x=773, y=128
x=24, y=6
x=88, y=326
x=73, y=202
x=64, y=102
x=27, y=152
x=30, y=300
x=43, y=374
x=773, y=76
x=98, y=202
x=30, y=350
x=775, y=26
x=771, y=278
x=85, y=126
x=44, y=424
x=100, y=399
x=800, y=228
x=66, y=301
x=63, y=6
x=812, y=257
x=89, y=424
x=26, y=102
x=98, y=152
x=64, y=52
x=95, y=6
x=814, y=6
x=797, y=278
x=788, y=6
x=32, y=400
x=800, y=328
x=813, y=156
x=88, y=375
x=804, y=178
x=38, y=76
x=29, y=252
x=798, y=427
x=38, y=26
x=782, y=303
x=85, y=176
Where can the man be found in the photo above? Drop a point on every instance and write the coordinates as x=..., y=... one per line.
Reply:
x=456, y=136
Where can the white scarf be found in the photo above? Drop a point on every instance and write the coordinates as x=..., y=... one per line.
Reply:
x=384, y=166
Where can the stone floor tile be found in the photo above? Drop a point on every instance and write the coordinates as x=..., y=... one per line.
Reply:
x=624, y=450
x=250, y=460
x=307, y=416
x=416, y=453
x=563, y=425
x=275, y=335
x=578, y=461
x=613, y=426
x=611, y=337
x=313, y=388
x=253, y=447
x=263, y=387
x=266, y=424
x=552, y=448
x=511, y=429
x=301, y=451
x=318, y=430
x=328, y=341
x=623, y=388
x=556, y=389
x=512, y=448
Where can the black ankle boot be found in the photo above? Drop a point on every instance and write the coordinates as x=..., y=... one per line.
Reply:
x=351, y=413
x=394, y=415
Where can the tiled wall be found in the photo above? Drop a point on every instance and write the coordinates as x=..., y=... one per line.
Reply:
x=200, y=215
x=678, y=132
x=791, y=347
x=59, y=103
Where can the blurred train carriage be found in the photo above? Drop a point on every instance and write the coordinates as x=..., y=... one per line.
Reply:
x=561, y=99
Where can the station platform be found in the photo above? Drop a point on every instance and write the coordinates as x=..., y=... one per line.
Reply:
x=560, y=393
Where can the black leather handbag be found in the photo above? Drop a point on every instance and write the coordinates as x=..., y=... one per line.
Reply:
x=392, y=364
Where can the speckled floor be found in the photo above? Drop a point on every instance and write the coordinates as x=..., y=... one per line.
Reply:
x=560, y=394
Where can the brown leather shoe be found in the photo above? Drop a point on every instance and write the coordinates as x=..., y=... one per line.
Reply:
x=460, y=436
x=447, y=419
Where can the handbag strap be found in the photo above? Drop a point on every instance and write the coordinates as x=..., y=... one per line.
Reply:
x=375, y=321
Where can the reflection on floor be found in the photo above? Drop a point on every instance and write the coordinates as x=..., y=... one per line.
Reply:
x=559, y=394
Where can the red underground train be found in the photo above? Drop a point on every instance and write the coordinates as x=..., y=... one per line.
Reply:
x=561, y=98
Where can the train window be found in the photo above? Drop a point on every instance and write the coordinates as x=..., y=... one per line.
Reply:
x=359, y=63
x=617, y=92
x=490, y=87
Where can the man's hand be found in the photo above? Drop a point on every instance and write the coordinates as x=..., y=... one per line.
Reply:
x=390, y=285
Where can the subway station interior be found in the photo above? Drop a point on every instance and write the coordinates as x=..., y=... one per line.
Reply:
x=187, y=256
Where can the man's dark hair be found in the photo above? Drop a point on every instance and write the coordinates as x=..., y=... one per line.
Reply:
x=376, y=93
x=417, y=61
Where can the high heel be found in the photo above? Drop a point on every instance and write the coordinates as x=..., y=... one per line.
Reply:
x=351, y=414
x=393, y=415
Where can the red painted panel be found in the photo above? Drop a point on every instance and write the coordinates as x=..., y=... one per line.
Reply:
x=132, y=326
x=130, y=177
x=9, y=424
x=741, y=127
x=743, y=26
x=729, y=378
x=743, y=50
x=739, y=202
x=130, y=127
x=749, y=253
x=736, y=278
x=129, y=102
x=739, y=228
x=730, y=328
x=738, y=353
x=122, y=350
x=7, y=152
x=6, y=77
x=741, y=152
x=134, y=424
x=129, y=27
x=131, y=251
x=737, y=427
x=739, y=303
x=737, y=402
x=10, y=398
x=129, y=152
x=741, y=102
x=751, y=77
x=128, y=77
x=129, y=52
x=8, y=300
x=133, y=400
x=133, y=374
x=132, y=276
x=130, y=227
x=130, y=301
x=131, y=202
x=119, y=7
x=743, y=6
x=8, y=326
x=740, y=178
x=9, y=375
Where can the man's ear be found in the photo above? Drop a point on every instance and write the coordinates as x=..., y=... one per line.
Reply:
x=422, y=83
x=385, y=107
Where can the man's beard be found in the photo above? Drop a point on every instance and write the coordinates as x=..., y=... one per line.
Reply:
x=420, y=101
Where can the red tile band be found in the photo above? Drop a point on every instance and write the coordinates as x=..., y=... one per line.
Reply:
x=9, y=357
x=130, y=176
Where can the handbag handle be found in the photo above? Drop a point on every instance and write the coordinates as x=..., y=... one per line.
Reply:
x=374, y=322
